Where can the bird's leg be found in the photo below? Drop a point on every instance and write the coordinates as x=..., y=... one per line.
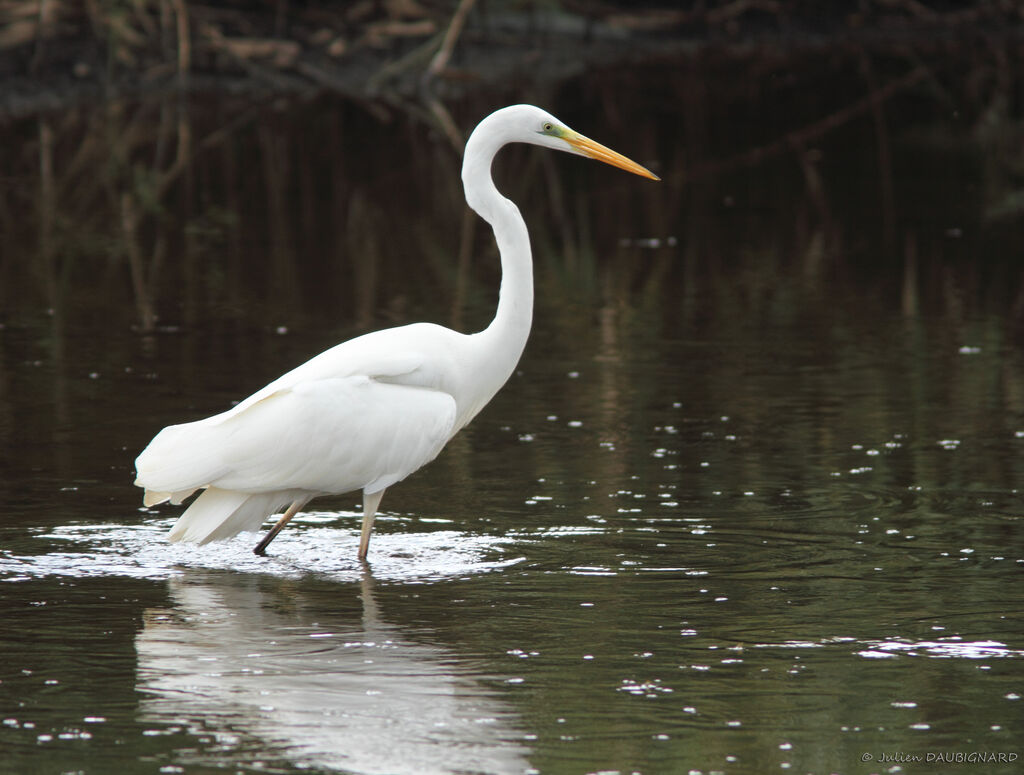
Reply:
x=261, y=547
x=371, y=500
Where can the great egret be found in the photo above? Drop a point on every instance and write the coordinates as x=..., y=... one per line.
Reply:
x=368, y=412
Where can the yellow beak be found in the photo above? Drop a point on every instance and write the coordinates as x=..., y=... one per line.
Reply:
x=588, y=147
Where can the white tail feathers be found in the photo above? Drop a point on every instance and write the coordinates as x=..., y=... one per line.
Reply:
x=219, y=514
x=152, y=497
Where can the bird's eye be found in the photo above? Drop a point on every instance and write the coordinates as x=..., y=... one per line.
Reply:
x=548, y=128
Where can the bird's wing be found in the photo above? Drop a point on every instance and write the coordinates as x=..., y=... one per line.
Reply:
x=360, y=356
x=321, y=436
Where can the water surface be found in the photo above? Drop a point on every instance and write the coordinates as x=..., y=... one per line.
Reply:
x=751, y=502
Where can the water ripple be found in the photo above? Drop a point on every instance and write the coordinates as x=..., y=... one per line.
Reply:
x=142, y=551
x=952, y=647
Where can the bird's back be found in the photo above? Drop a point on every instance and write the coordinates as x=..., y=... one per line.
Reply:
x=363, y=414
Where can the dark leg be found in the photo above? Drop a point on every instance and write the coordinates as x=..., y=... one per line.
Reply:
x=261, y=547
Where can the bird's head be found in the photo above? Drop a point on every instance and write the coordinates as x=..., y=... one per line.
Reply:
x=551, y=133
x=529, y=124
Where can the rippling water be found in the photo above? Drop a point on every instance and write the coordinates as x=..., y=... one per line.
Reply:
x=653, y=586
x=735, y=513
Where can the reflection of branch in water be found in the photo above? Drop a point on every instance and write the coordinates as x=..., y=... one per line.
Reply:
x=467, y=233
x=47, y=214
x=145, y=277
x=285, y=669
x=799, y=138
x=184, y=40
x=886, y=193
x=359, y=232
x=140, y=282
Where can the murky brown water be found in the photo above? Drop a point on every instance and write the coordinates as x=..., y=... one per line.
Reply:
x=752, y=502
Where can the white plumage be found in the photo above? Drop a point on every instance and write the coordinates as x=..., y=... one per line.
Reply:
x=366, y=413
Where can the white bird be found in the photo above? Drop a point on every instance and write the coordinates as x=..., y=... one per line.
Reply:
x=366, y=413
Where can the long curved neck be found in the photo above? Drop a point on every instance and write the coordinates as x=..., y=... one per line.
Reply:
x=505, y=338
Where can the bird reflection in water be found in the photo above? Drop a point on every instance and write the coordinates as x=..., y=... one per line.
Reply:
x=297, y=681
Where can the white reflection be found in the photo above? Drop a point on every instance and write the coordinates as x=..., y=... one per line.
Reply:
x=952, y=647
x=234, y=661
